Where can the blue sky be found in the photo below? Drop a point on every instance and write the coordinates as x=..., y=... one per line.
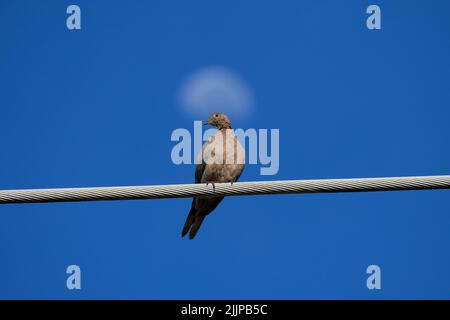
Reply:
x=97, y=106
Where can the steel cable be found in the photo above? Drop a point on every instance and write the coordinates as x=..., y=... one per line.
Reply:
x=224, y=189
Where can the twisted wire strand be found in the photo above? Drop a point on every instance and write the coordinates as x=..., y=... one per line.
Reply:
x=224, y=189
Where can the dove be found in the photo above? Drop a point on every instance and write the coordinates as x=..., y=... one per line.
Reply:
x=222, y=160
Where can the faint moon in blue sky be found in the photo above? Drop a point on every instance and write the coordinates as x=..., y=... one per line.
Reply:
x=216, y=89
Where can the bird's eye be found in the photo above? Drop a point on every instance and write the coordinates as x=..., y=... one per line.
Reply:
x=216, y=115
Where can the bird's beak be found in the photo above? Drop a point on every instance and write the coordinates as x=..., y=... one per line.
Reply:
x=205, y=123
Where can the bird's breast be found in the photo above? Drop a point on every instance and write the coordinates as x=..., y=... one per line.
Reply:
x=223, y=148
x=224, y=157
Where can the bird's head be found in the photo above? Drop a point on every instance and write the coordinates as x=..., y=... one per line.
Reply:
x=219, y=120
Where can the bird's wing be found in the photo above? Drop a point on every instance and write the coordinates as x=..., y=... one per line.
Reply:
x=199, y=169
x=239, y=175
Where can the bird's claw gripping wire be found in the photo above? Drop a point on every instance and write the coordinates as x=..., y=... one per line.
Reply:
x=213, y=184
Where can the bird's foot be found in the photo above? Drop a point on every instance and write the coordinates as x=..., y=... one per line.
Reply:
x=213, y=184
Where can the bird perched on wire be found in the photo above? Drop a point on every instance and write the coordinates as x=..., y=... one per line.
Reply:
x=222, y=160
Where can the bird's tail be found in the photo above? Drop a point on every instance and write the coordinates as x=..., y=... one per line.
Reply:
x=193, y=222
x=189, y=221
x=195, y=226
